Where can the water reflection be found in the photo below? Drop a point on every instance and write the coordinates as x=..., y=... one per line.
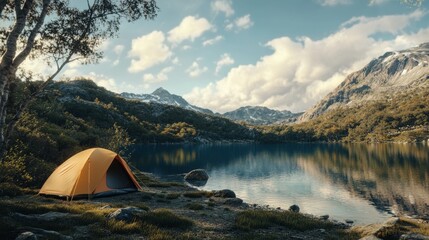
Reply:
x=366, y=183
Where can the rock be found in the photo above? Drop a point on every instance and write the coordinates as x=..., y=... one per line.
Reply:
x=370, y=237
x=197, y=175
x=233, y=201
x=27, y=236
x=46, y=234
x=126, y=214
x=294, y=208
x=225, y=193
x=324, y=217
x=349, y=221
x=413, y=236
x=197, y=183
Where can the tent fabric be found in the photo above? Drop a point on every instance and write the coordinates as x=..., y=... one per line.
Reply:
x=91, y=172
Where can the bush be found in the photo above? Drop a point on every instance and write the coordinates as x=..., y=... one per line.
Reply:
x=13, y=168
x=9, y=189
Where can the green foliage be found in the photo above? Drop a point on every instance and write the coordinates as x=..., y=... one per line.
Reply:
x=13, y=168
x=9, y=189
x=403, y=118
x=117, y=140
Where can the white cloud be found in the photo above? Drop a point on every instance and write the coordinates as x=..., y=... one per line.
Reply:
x=334, y=2
x=195, y=70
x=212, y=40
x=300, y=72
x=148, y=51
x=376, y=2
x=118, y=49
x=224, y=60
x=186, y=47
x=175, y=61
x=244, y=22
x=160, y=77
x=189, y=29
x=224, y=6
x=240, y=23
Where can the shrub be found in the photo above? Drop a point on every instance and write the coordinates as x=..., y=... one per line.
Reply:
x=9, y=189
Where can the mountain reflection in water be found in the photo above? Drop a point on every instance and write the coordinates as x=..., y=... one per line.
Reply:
x=364, y=182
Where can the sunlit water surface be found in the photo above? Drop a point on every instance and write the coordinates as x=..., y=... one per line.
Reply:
x=361, y=182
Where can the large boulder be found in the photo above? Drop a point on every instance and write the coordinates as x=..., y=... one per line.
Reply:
x=126, y=214
x=197, y=175
x=294, y=208
x=225, y=193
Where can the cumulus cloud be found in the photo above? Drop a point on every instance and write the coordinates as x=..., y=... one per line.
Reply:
x=212, y=40
x=240, y=23
x=224, y=6
x=189, y=29
x=195, y=70
x=224, y=60
x=299, y=72
x=160, y=77
x=334, y=2
x=118, y=49
x=376, y=2
x=148, y=51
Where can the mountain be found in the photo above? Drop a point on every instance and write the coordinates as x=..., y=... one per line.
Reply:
x=261, y=115
x=162, y=96
x=393, y=73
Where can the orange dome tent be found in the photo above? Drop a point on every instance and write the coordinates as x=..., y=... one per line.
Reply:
x=95, y=171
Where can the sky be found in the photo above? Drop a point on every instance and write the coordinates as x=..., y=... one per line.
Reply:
x=225, y=54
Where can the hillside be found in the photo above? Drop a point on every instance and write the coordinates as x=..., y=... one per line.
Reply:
x=75, y=115
x=382, y=79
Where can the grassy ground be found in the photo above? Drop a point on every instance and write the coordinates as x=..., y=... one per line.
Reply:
x=172, y=211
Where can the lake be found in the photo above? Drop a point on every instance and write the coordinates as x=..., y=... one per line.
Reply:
x=366, y=183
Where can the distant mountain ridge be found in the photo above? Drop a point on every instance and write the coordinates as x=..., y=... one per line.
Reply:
x=261, y=115
x=251, y=114
x=162, y=96
x=383, y=78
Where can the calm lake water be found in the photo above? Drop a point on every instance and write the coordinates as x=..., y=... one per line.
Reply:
x=362, y=182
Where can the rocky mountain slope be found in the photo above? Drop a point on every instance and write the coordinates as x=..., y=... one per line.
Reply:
x=261, y=115
x=162, y=96
x=249, y=114
x=383, y=78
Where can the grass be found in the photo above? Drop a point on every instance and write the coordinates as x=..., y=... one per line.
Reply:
x=166, y=219
x=123, y=227
x=197, y=194
x=172, y=196
x=256, y=219
x=194, y=206
x=146, y=180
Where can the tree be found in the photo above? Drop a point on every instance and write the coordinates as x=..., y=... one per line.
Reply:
x=60, y=31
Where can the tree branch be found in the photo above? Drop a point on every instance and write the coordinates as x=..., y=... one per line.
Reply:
x=12, y=39
x=30, y=41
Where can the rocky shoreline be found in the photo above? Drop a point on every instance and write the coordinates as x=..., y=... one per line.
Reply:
x=173, y=210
